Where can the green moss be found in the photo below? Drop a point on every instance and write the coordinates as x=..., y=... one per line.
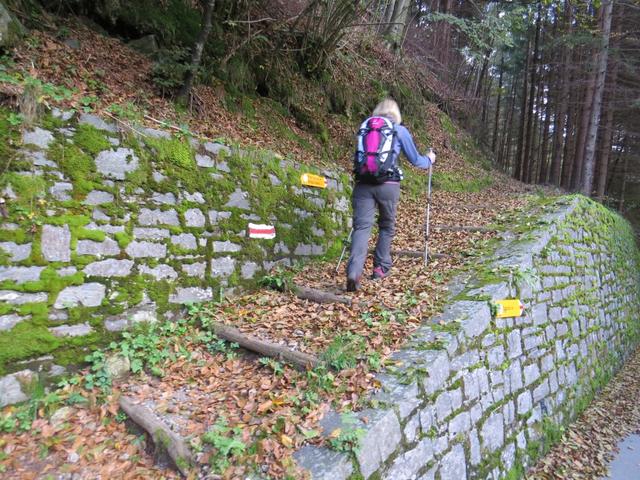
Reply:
x=123, y=239
x=27, y=339
x=90, y=139
x=28, y=188
x=77, y=166
x=86, y=234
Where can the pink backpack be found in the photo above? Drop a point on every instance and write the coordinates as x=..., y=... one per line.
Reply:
x=374, y=159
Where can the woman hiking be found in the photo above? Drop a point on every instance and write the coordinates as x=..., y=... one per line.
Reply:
x=381, y=138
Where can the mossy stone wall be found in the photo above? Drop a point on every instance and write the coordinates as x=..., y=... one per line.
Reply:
x=473, y=396
x=108, y=227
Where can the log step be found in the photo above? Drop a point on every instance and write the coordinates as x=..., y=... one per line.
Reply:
x=163, y=437
x=319, y=296
x=463, y=228
x=299, y=360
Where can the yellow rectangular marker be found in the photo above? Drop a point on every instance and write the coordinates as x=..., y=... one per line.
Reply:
x=311, y=180
x=509, y=308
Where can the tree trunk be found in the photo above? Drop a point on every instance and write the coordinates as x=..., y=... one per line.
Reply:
x=497, y=115
x=196, y=54
x=523, y=116
x=601, y=73
x=528, y=147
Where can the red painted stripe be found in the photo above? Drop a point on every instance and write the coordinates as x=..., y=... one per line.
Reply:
x=262, y=230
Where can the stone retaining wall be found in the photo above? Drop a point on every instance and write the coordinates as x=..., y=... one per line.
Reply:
x=474, y=396
x=107, y=228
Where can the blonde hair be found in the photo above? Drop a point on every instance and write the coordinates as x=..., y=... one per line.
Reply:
x=388, y=108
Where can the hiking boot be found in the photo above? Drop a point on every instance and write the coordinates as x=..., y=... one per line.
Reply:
x=379, y=274
x=353, y=285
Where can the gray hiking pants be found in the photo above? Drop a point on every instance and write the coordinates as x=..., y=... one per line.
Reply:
x=365, y=200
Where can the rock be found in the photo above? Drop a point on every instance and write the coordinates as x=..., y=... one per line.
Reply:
x=143, y=314
x=17, y=252
x=64, y=115
x=239, y=199
x=492, y=432
x=153, y=133
x=151, y=233
x=248, y=270
x=56, y=243
x=97, y=122
x=185, y=240
x=71, y=330
x=116, y=164
x=223, y=167
x=324, y=464
x=216, y=148
x=11, y=30
x=60, y=191
x=163, y=198
x=73, y=457
x=453, y=464
x=100, y=216
x=160, y=272
x=146, y=249
x=157, y=217
x=109, y=268
x=98, y=197
x=20, y=298
x=7, y=322
x=383, y=424
x=39, y=159
x=215, y=216
x=20, y=274
x=117, y=366
x=72, y=43
x=158, y=177
x=195, y=197
x=226, y=246
x=194, y=269
x=105, y=248
x=147, y=45
x=11, y=385
x=60, y=415
x=194, y=218
x=222, y=267
x=88, y=295
x=204, y=161
x=191, y=295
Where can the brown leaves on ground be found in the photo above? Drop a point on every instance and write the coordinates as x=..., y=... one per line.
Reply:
x=86, y=442
x=590, y=442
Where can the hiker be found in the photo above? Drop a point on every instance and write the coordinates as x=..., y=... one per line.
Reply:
x=377, y=186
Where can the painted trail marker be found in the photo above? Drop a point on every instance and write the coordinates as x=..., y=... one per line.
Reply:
x=509, y=308
x=262, y=231
x=311, y=180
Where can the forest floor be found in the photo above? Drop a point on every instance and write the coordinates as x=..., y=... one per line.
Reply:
x=240, y=413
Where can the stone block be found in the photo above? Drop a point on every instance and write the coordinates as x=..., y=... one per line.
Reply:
x=453, y=465
x=403, y=397
x=109, y=268
x=160, y=272
x=20, y=298
x=56, y=243
x=248, y=270
x=145, y=313
x=438, y=366
x=11, y=387
x=324, y=464
x=194, y=269
x=514, y=344
x=186, y=241
x=195, y=197
x=150, y=233
x=71, y=330
x=383, y=424
x=408, y=464
x=149, y=217
x=20, y=274
x=194, y=218
x=217, y=148
x=531, y=374
x=17, y=252
x=163, y=198
x=106, y=248
x=524, y=403
x=97, y=122
x=239, y=199
x=222, y=266
x=215, y=216
x=7, y=322
x=225, y=247
x=39, y=137
x=204, y=161
x=87, y=295
x=61, y=191
x=496, y=356
x=98, y=197
x=116, y=164
x=460, y=424
x=143, y=249
x=186, y=295
x=475, y=455
x=492, y=432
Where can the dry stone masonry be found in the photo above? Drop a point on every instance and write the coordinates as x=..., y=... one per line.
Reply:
x=116, y=228
x=476, y=397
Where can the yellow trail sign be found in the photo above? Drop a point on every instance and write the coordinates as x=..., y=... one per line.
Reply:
x=311, y=180
x=509, y=308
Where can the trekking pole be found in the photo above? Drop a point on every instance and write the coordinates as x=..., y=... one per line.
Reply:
x=344, y=249
x=426, y=227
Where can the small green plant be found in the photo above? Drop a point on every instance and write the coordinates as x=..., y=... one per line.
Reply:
x=278, y=279
x=169, y=70
x=348, y=438
x=227, y=443
x=344, y=351
x=277, y=367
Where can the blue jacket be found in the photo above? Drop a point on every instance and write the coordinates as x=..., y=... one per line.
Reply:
x=404, y=143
